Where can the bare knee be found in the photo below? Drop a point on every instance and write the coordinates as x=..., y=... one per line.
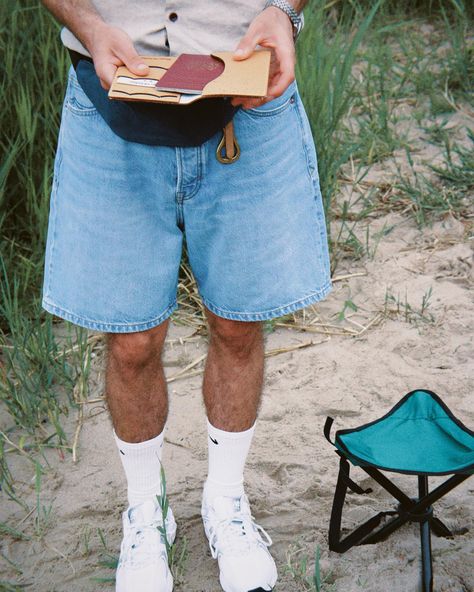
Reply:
x=134, y=351
x=239, y=338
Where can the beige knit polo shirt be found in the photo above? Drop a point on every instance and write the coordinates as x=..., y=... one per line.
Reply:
x=160, y=27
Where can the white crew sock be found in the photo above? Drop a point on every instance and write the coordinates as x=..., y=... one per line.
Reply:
x=227, y=455
x=142, y=465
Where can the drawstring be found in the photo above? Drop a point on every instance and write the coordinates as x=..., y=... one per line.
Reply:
x=229, y=144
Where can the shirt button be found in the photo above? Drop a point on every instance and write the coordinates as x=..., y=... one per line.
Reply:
x=173, y=17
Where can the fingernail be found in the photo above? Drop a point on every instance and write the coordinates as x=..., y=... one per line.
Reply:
x=142, y=66
x=239, y=52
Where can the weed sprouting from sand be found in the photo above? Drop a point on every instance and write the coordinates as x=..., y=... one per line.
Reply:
x=176, y=553
x=107, y=560
x=348, y=305
x=44, y=513
x=11, y=587
x=14, y=533
x=308, y=578
x=398, y=307
x=427, y=199
x=457, y=172
x=39, y=378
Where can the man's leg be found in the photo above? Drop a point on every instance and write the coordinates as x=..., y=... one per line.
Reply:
x=138, y=403
x=233, y=375
x=232, y=389
x=135, y=383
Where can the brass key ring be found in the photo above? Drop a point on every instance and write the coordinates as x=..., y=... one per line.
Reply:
x=229, y=144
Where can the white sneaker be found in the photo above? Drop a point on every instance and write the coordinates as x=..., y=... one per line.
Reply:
x=236, y=542
x=143, y=562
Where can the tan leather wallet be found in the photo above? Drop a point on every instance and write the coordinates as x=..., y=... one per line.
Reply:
x=246, y=78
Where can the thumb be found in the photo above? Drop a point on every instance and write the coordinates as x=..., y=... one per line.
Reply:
x=247, y=45
x=133, y=61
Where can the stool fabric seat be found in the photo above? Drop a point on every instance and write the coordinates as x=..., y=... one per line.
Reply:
x=419, y=435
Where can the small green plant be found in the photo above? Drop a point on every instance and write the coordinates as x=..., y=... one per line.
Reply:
x=14, y=533
x=457, y=172
x=11, y=586
x=177, y=554
x=107, y=560
x=395, y=306
x=428, y=199
x=308, y=579
x=44, y=513
x=85, y=539
x=348, y=305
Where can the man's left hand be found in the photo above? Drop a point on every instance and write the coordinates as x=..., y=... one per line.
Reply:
x=273, y=29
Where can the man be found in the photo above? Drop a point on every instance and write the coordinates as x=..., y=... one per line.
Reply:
x=256, y=242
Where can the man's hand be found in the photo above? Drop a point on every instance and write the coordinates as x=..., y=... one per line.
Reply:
x=111, y=47
x=273, y=29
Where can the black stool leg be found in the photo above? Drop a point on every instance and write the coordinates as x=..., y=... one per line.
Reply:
x=425, y=536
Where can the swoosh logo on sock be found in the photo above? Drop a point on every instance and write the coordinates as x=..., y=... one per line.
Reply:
x=215, y=441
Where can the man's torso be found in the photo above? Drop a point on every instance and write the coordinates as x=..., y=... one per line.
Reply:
x=160, y=27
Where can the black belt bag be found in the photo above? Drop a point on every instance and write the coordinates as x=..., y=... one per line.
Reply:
x=152, y=124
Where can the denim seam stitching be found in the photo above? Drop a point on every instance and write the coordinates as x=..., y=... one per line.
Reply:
x=64, y=312
x=81, y=112
x=54, y=196
x=179, y=176
x=197, y=183
x=305, y=140
x=319, y=294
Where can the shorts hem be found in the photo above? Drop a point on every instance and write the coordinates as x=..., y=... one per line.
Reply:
x=108, y=327
x=270, y=313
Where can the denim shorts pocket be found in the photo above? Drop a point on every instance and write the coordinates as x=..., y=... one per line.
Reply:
x=275, y=106
x=77, y=101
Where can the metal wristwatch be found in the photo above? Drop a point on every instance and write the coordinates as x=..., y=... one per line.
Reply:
x=297, y=20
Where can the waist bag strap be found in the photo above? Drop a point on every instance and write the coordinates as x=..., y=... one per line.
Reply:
x=156, y=123
x=75, y=57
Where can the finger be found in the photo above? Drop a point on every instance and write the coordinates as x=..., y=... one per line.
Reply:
x=236, y=101
x=247, y=45
x=256, y=102
x=281, y=82
x=244, y=101
x=106, y=72
x=128, y=54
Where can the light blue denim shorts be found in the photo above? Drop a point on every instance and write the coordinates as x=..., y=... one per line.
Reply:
x=255, y=230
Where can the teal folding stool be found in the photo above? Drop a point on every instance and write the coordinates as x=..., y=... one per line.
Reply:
x=419, y=436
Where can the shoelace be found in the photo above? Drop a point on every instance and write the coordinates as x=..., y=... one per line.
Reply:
x=143, y=543
x=236, y=534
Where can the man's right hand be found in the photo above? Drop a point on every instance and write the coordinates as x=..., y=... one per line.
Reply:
x=111, y=47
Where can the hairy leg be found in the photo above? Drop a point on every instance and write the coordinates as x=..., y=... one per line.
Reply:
x=233, y=375
x=135, y=383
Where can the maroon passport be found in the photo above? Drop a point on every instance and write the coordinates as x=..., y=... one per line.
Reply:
x=190, y=73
